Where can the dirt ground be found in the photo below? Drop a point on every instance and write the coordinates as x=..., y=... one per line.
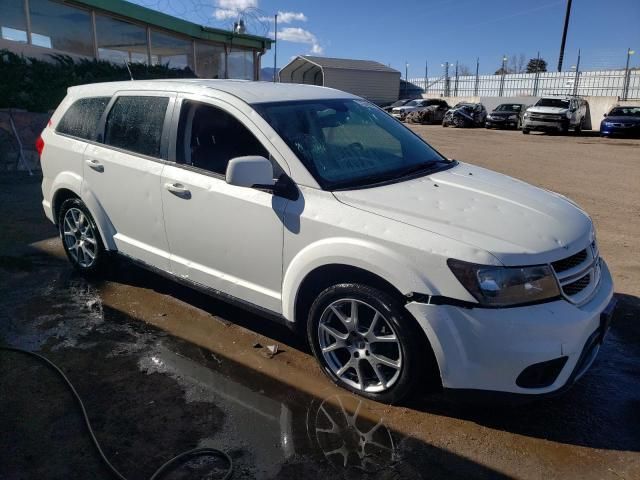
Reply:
x=163, y=368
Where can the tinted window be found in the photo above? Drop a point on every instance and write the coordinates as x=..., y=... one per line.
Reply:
x=209, y=137
x=81, y=118
x=135, y=124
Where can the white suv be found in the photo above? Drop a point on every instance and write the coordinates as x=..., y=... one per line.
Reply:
x=318, y=209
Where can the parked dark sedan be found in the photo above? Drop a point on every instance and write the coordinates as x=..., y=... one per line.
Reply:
x=506, y=115
x=621, y=121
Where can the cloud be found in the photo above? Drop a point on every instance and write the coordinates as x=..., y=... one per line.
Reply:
x=227, y=9
x=289, y=17
x=300, y=35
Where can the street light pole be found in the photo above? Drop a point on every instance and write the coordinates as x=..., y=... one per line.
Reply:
x=275, y=50
x=625, y=88
x=504, y=66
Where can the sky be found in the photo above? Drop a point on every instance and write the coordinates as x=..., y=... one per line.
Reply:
x=433, y=31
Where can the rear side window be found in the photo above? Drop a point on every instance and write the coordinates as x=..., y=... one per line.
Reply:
x=135, y=124
x=82, y=117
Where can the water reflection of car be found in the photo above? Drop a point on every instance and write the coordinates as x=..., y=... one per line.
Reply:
x=506, y=115
x=398, y=103
x=623, y=121
x=465, y=114
x=432, y=112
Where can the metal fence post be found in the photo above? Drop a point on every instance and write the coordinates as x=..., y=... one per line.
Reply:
x=446, y=79
x=577, y=78
x=455, y=88
x=426, y=76
x=536, y=79
x=475, y=88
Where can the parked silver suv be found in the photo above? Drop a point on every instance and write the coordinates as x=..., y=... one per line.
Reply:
x=556, y=114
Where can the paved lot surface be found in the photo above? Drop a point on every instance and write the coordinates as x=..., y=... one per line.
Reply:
x=163, y=368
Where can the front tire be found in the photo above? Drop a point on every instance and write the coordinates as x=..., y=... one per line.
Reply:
x=366, y=342
x=525, y=131
x=80, y=237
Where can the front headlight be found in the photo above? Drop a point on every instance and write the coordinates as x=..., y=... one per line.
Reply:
x=526, y=114
x=505, y=286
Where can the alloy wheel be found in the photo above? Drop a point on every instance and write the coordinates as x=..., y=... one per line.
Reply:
x=360, y=346
x=79, y=237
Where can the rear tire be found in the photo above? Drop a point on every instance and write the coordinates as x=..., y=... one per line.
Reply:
x=367, y=342
x=81, y=238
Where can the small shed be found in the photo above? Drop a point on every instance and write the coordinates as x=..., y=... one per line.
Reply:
x=368, y=79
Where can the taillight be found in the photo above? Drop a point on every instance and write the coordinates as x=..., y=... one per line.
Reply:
x=40, y=145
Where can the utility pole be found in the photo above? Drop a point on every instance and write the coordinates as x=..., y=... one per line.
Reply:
x=275, y=50
x=564, y=34
x=446, y=78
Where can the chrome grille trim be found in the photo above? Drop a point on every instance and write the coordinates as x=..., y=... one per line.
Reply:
x=579, y=282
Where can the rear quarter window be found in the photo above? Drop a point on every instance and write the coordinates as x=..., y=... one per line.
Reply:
x=82, y=117
x=135, y=124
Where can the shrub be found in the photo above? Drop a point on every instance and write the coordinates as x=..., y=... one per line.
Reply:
x=39, y=86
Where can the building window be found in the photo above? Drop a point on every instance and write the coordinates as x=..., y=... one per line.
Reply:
x=120, y=41
x=174, y=51
x=240, y=64
x=13, y=23
x=61, y=27
x=209, y=60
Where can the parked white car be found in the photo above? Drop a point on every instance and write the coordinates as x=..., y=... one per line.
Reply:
x=557, y=114
x=317, y=209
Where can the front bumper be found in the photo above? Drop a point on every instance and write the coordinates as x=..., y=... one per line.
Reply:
x=621, y=131
x=488, y=349
x=560, y=125
x=493, y=123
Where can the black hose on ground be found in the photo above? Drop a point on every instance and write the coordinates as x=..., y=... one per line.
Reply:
x=196, y=452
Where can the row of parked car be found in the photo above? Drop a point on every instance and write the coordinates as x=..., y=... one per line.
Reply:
x=549, y=114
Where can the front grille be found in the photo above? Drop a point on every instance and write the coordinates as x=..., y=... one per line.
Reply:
x=576, y=287
x=545, y=118
x=570, y=262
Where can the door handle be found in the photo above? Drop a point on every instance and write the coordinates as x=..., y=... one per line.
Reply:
x=178, y=189
x=96, y=165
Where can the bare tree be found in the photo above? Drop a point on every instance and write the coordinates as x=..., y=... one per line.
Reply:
x=516, y=63
x=463, y=70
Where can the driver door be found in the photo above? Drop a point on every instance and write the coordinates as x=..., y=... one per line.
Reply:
x=224, y=237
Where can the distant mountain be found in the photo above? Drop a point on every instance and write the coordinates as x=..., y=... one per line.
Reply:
x=266, y=73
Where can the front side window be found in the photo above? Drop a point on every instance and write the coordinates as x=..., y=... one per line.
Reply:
x=347, y=143
x=135, y=124
x=209, y=137
x=81, y=119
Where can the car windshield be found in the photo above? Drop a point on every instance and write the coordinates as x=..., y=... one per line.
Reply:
x=625, y=112
x=553, y=102
x=399, y=103
x=350, y=143
x=508, y=107
x=413, y=103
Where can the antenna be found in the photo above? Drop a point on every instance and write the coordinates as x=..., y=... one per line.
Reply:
x=127, y=65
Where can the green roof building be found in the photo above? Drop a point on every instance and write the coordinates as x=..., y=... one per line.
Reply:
x=120, y=31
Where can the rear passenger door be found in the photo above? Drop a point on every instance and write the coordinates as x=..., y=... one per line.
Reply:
x=123, y=169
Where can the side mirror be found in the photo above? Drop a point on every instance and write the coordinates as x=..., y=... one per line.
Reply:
x=250, y=171
x=605, y=114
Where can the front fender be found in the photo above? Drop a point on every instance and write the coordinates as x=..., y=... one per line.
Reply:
x=366, y=255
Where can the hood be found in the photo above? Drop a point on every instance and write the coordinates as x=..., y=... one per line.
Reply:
x=503, y=114
x=516, y=222
x=623, y=119
x=555, y=110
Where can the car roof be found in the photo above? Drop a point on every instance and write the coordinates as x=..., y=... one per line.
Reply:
x=248, y=91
